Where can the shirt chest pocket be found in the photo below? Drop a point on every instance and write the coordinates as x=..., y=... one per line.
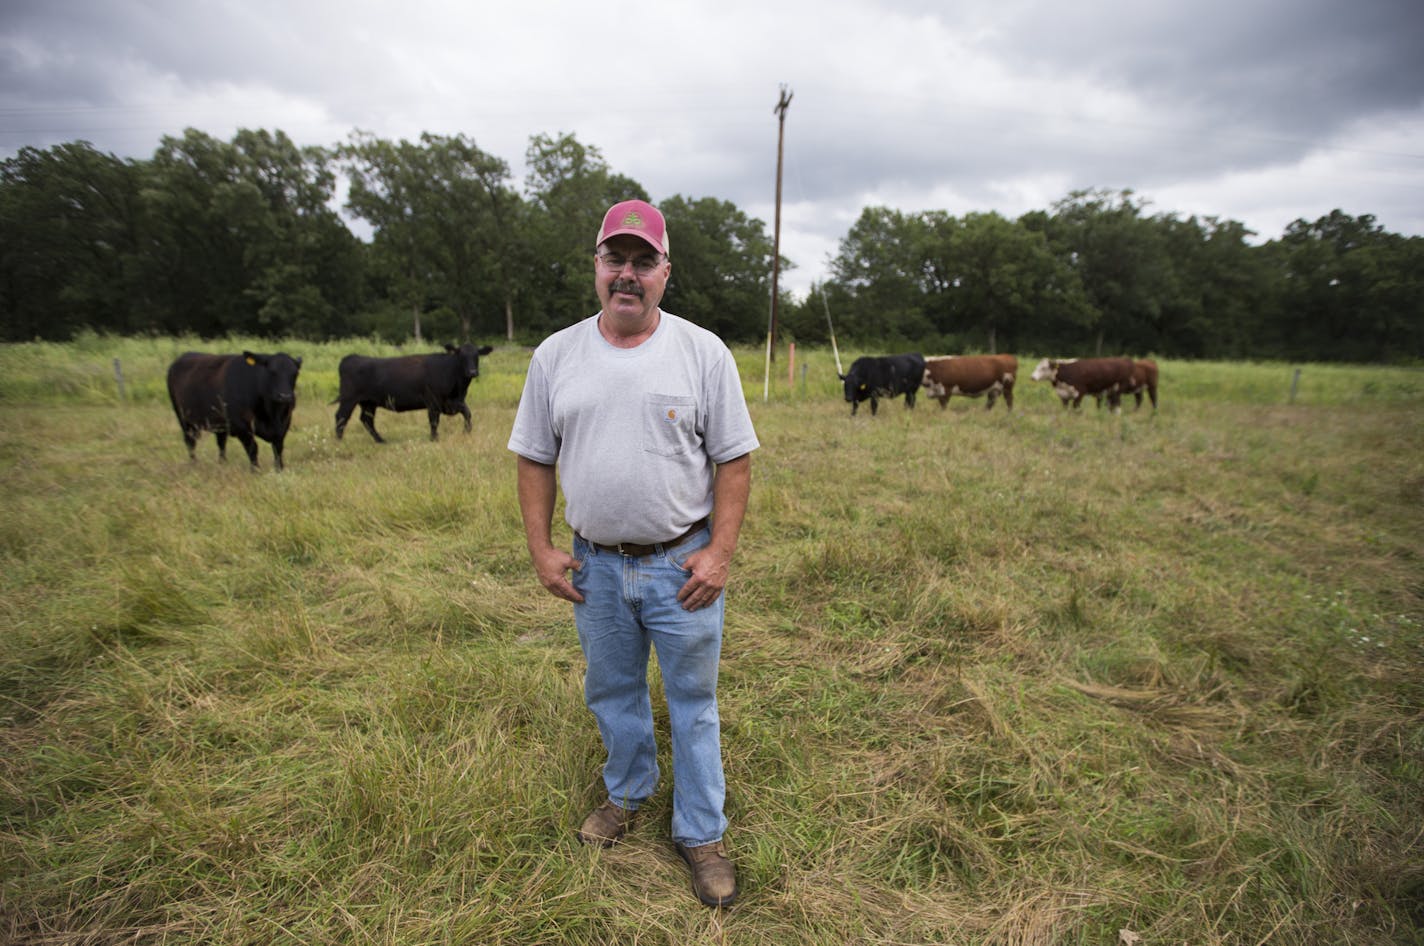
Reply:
x=670, y=425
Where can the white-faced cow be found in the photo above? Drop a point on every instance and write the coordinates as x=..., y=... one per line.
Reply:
x=971, y=376
x=1075, y=378
x=247, y=395
x=875, y=376
x=435, y=382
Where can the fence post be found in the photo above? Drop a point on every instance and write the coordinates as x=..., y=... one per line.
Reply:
x=119, y=378
x=1295, y=383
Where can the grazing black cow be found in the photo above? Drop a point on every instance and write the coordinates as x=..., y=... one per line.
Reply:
x=247, y=395
x=408, y=383
x=877, y=376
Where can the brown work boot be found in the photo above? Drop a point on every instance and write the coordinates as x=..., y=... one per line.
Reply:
x=606, y=825
x=714, y=880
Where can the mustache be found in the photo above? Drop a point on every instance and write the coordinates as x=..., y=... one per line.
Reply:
x=627, y=287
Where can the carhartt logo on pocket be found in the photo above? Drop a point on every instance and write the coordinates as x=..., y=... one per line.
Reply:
x=669, y=424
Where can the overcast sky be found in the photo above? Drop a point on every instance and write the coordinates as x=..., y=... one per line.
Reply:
x=1262, y=111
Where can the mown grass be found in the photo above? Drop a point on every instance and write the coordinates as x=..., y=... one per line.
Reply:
x=988, y=679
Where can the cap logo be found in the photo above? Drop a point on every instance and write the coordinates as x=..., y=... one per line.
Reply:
x=634, y=219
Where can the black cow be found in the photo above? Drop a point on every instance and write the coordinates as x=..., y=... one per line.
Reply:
x=408, y=383
x=247, y=395
x=877, y=376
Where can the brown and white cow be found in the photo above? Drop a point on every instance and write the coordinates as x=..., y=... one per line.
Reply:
x=1144, y=377
x=1075, y=378
x=971, y=376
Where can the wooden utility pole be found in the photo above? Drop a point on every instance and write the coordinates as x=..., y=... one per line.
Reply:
x=783, y=103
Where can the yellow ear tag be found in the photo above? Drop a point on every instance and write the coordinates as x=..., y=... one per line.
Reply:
x=252, y=361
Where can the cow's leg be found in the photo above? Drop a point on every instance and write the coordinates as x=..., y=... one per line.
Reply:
x=854, y=406
x=1008, y=397
x=368, y=420
x=249, y=443
x=221, y=436
x=990, y=399
x=190, y=440
x=909, y=399
x=276, y=454
x=465, y=413
x=343, y=415
x=434, y=415
x=874, y=407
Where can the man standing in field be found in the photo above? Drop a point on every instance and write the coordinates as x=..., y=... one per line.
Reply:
x=644, y=416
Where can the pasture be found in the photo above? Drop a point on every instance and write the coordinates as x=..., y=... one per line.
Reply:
x=1047, y=677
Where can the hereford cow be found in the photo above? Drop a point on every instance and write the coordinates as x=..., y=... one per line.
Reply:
x=436, y=383
x=1074, y=378
x=877, y=376
x=972, y=376
x=246, y=395
x=1144, y=377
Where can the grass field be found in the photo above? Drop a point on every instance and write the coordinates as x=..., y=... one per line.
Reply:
x=1045, y=677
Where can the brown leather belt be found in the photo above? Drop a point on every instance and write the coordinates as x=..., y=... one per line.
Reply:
x=634, y=550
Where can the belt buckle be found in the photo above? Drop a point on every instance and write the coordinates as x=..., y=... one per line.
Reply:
x=626, y=553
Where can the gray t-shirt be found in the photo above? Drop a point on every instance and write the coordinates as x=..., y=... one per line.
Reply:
x=636, y=432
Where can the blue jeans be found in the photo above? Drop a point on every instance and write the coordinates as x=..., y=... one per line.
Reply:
x=629, y=605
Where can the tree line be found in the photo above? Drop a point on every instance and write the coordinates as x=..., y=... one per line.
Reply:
x=247, y=237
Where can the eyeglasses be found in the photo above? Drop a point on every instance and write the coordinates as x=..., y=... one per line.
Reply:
x=642, y=265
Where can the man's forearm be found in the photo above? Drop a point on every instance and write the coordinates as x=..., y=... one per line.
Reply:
x=537, y=486
x=731, y=491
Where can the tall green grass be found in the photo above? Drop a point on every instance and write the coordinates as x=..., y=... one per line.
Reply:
x=989, y=678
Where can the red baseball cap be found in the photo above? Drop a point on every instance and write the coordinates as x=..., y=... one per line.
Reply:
x=639, y=218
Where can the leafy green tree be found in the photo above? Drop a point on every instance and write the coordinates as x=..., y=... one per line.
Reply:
x=71, y=222
x=806, y=320
x=468, y=203
x=1351, y=291
x=1218, y=290
x=954, y=284
x=441, y=210
x=1394, y=316
x=1121, y=262
x=1007, y=282
x=569, y=186
x=879, y=264
x=383, y=192
x=240, y=238
x=721, y=273
x=308, y=265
